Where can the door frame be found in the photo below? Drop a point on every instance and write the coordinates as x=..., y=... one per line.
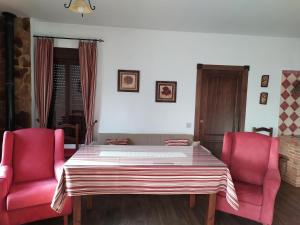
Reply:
x=200, y=67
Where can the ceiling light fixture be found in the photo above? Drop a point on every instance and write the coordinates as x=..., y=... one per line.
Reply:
x=80, y=6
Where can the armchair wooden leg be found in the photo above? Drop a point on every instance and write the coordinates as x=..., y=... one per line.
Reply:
x=192, y=201
x=66, y=220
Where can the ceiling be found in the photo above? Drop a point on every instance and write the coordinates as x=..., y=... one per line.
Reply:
x=253, y=17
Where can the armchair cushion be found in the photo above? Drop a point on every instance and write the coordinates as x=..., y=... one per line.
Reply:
x=33, y=154
x=29, y=194
x=248, y=193
x=247, y=164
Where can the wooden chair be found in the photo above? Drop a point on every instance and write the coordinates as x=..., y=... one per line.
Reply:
x=71, y=138
x=263, y=129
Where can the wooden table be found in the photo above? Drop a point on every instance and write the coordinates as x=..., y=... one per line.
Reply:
x=160, y=170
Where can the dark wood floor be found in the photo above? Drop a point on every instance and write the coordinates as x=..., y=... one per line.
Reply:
x=174, y=210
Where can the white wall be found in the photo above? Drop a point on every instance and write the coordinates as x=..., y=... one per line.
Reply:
x=168, y=55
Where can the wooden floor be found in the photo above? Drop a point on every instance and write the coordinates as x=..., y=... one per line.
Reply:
x=174, y=210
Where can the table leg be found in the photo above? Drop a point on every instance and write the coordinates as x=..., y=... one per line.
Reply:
x=89, y=204
x=192, y=200
x=77, y=210
x=211, y=209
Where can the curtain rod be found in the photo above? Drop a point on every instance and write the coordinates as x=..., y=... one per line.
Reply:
x=69, y=38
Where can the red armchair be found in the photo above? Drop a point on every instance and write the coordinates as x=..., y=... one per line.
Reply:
x=32, y=160
x=253, y=162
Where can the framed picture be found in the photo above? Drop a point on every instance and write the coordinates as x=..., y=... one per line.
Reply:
x=165, y=91
x=263, y=99
x=264, y=81
x=128, y=80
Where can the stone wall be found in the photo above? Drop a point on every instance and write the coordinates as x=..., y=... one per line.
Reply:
x=2, y=78
x=22, y=70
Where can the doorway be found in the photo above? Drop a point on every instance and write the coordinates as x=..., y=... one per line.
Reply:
x=221, y=94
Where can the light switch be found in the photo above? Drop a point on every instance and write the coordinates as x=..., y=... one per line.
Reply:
x=188, y=125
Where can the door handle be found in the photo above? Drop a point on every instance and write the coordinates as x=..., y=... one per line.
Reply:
x=201, y=121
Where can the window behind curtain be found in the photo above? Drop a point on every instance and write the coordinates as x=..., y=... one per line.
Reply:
x=66, y=105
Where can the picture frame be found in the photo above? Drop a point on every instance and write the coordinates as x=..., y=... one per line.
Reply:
x=264, y=81
x=166, y=91
x=128, y=80
x=263, y=99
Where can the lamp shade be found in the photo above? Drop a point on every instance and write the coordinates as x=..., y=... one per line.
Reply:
x=80, y=6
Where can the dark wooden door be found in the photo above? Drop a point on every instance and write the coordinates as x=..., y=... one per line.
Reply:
x=220, y=103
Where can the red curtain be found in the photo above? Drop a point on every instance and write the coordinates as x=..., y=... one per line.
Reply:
x=88, y=73
x=43, y=78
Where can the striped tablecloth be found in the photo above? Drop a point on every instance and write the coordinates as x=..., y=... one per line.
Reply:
x=165, y=170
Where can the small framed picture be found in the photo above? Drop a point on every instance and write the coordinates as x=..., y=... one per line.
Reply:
x=264, y=81
x=263, y=99
x=128, y=80
x=166, y=91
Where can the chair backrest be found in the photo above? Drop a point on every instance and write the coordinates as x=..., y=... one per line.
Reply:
x=263, y=129
x=247, y=155
x=71, y=132
x=33, y=154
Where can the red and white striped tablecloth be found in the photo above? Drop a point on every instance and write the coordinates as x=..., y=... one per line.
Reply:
x=162, y=170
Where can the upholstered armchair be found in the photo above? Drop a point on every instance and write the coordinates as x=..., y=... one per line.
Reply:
x=253, y=162
x=32, y=160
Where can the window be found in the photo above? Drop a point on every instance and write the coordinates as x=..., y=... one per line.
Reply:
x=66, y=105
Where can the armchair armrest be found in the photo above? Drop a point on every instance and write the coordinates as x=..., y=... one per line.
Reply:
x=271, y=183
x=5, y=180
x=59, y=153
x=270, y=188
x=58, y=169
